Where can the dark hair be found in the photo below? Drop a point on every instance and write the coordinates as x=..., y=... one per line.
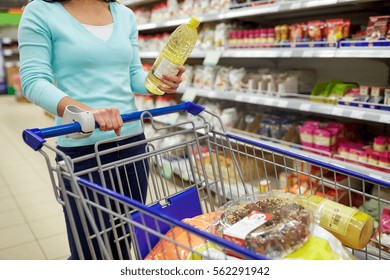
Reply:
x=53, y=1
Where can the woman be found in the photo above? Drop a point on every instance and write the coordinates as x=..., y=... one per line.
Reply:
x=85, y=53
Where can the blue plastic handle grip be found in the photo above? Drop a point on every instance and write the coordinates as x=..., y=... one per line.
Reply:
x=35, y=137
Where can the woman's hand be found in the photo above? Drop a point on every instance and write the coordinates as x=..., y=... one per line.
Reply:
x=108, y=119
x=172, y=82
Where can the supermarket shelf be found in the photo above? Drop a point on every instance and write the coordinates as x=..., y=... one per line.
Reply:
x=367, y=170
x=376, y=174
x=299, y=104
x=133, y=3
x=254, y=11
x=352, y=52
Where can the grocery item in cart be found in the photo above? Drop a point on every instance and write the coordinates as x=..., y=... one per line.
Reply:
x=351, y=226
x=272, y=224
x=167, y=250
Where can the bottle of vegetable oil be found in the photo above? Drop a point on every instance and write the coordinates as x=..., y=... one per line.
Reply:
x=175, y=53
x=352, y=227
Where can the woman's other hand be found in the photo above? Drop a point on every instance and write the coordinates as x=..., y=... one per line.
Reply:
x=172, y=82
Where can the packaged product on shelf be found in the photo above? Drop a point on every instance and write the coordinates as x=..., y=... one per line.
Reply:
x=384, y=162
x=208, y=77
x=382, y=233
x=173, y=8
x=278, y=35
x=380, y=143
x=307, y=135
x=142, y=15
x=387, y=100
x=377, y=27
x=218, y=5
x=377, y=96
x=340, y=89
x=204, y=77
x=352, y=227
x=236, y=77
x=206, y=36
x=335, y=29
x=222, y=78
x=315, y=30
x=251, y=122
x=159, y=13
x=270, y=37
x=251, y=81
x=296, y=32
x=186, y=8
x=229, y=117
x=221, y=35
x=187, y=77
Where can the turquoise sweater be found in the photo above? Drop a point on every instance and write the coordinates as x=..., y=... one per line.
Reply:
x=59, y=57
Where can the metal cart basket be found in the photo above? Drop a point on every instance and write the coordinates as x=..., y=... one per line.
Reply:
x=194, y=167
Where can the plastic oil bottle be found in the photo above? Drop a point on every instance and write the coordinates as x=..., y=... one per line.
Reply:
x=175, y=53
x=352, y=227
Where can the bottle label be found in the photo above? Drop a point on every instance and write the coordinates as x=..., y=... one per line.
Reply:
x=336, y=217
x=165, y=67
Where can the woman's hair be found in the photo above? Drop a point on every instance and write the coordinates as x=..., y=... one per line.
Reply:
x=53, y=1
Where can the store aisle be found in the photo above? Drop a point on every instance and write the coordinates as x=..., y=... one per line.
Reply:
x=31, y=220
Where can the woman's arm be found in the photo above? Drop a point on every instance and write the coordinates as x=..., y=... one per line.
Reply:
x=35, y=47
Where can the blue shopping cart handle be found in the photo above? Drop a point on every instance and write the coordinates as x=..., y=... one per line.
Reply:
x=35, y=137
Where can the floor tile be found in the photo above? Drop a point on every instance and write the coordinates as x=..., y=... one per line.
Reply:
x=37, y=197
x=26, y=251
x=23, y=188
x=15, y=236
x=48, y=227
x=11, y=218
x=42, y=211
x=7, y=204
x=26, y=178
x=4, y=192
x=55, y=247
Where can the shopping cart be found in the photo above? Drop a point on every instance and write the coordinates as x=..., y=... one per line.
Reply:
x=194, y=167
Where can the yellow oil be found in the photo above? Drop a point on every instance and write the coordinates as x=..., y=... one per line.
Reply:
x=175, y=53
x=358, y=226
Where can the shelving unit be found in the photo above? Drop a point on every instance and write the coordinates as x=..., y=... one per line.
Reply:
x=371, y=62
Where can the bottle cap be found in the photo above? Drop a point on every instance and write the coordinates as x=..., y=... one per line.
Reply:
x=194, y=22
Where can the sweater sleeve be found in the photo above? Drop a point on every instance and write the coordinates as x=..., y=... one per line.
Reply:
x=35, y=48
x=137, y=73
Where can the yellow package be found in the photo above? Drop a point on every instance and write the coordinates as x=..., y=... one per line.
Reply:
x=321, y=245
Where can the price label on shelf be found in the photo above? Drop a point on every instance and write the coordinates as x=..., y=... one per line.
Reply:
x=305, y=107
x=212, y=58
x=296, y=5
x=269, y=102
x=337, y=111
x=356, y=114
x=384, y=118
x=239, y=98
x=189, y=95
x=253, y=99
x=282, y=103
